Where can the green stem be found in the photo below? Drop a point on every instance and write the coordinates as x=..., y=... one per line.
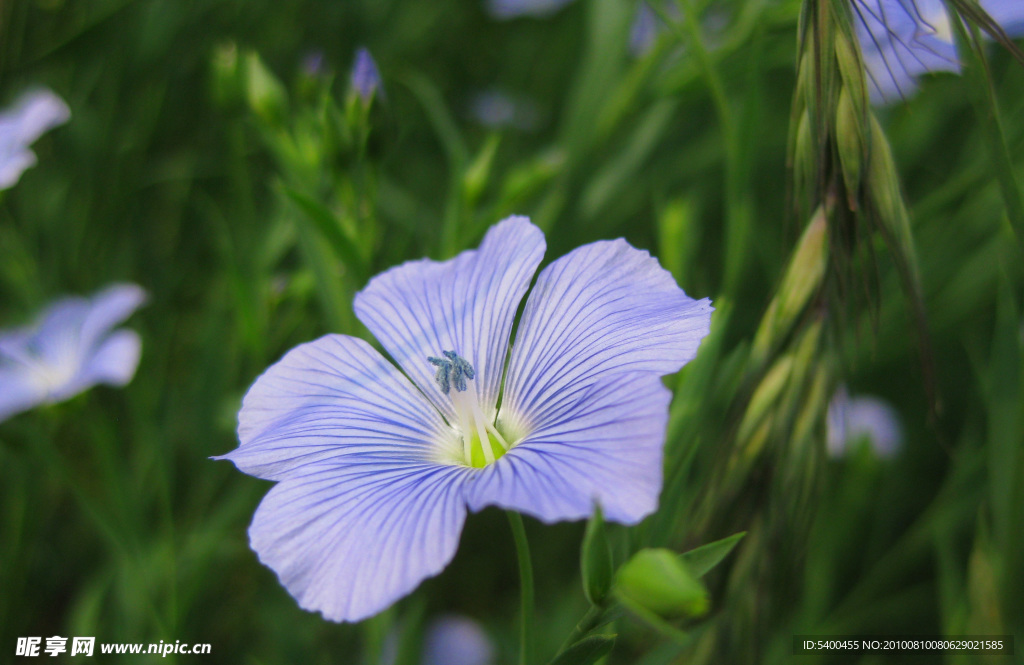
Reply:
x=526, y=583
x=589, y=621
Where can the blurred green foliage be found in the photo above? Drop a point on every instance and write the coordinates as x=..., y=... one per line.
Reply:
x=252, y=196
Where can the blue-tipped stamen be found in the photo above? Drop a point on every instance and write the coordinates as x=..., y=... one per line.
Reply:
x=452, y=370
x=482, y=443
x=443, y=369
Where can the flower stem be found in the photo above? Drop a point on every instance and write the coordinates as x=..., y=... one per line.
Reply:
x=526, y=584
x=589, y=621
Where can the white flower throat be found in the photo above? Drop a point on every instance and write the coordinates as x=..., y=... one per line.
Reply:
x=482, y=443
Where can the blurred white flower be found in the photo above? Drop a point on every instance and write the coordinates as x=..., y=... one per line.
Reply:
x=68, y=349
x=34, y=113
x=852, y=419
x=456, y=640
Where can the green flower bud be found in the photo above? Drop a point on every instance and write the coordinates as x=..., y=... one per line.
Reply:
x=657, y=581
x=265, y=94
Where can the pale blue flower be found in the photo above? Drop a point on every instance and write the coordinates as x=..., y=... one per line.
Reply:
x=456, y=640
x=860, y=418
x=377, y=465
x=34, y=113
x=365, y=76
x=71, y=347
x=903, y=39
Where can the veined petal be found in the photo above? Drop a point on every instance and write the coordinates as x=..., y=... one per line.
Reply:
x=900, y=40
x=336, y=400
x=605, y=444
x=422, y=308
x=348, y=541
x=605, y=307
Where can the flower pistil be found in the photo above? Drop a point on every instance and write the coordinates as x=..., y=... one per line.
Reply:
x=482, y=443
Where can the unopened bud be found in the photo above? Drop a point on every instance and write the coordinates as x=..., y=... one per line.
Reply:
x=659, y=582
x=266, y=95
x=365, y=76
x=803, y=278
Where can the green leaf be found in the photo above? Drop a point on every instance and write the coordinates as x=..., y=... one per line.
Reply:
x=587, y=651
x=596, y=559
x=702, y=559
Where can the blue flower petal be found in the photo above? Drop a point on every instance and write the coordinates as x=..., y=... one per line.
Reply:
x=115, y=361
x=1009, y=14
x=107, y=309
x=467, y=305
x=17, y=392
x=900, y=40
x=349, y=540
x=337, y=400
x=32, y=114
x=13, y=162
x=605, y=307
x=604, y=444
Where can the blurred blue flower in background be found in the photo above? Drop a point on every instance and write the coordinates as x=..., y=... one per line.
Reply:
x=509, y=9
x=69, y=349
x=903, y=39
x=1009, y=14
x=34, y=113
x=450, y=639
x=365, y=76
x=853, y=419
x=314, y=64
x=646, y=28
x=376, y=472
x=456, y=640
x=497, y=109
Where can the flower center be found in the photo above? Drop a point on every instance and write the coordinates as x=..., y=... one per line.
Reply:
x=482, y=443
